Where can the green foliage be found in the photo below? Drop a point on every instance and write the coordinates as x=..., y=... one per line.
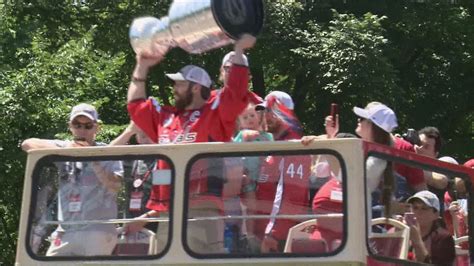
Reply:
x=432, y=49
x=345, y=59
x=35, y=102
x=417, y=58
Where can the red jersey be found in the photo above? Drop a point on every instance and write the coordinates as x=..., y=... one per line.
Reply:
x=414, y=176
x=214, y=121
x=283, y=188
x=294, y=195
x=266, y=188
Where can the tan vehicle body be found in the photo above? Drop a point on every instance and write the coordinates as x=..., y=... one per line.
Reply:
x=354, y=250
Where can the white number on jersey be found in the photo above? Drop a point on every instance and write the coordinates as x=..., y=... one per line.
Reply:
x=291, y=170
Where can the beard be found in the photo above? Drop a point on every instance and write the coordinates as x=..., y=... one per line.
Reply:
x=272, y=126
x=183, y=101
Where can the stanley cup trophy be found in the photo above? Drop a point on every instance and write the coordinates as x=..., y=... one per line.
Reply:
x=196, y=26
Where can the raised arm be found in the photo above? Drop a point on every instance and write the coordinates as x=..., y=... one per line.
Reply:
x=246, y=41
x=234, y=97
x=436, y=180
x=136, y=89
x=124, y=138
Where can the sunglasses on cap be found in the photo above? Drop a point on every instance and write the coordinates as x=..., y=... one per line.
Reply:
x=79, y=125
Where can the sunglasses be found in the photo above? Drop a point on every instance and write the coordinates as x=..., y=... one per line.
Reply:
x=421, y=208
x=79, y=125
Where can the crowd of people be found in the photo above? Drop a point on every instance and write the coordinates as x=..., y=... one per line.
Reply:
x=254, y=185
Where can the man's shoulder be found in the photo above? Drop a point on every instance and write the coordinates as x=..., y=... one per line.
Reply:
x=152, y=101
x=402, y=144
x=212, y=104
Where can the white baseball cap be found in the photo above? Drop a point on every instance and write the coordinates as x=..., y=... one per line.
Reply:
x=322, y=169
x=84, y=109
x=229, y=55
x=192, y=73
x=448, y=159
x=427, y=197
x=380, y=115
x=281, y=97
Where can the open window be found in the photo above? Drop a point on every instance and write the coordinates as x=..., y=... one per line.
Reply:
x=262, y=204
x=411, y=197
x=88, y=208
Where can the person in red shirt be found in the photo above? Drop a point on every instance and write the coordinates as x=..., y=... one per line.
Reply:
x=414, y=176
x=283, y=185
x=329, y=199
x=282, y=189
x=198, y=115
x=455, y=202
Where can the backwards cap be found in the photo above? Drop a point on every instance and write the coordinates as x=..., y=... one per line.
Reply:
x=229, y=56
x=192, y=73
x=280, y=96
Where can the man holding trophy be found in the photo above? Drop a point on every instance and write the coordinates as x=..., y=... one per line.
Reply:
x=197, y=115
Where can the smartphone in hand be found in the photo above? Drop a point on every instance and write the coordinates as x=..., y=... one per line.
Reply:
x=334, y=112
x=410, y=218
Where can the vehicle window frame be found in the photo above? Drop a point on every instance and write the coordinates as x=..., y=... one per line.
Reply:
x=208, y=155
x=49, y=159
x=422, y=166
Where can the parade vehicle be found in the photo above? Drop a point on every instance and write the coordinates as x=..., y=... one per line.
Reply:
x=195, y=227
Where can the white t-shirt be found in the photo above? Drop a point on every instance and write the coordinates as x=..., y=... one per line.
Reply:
x=82, y=196
x=374, y=168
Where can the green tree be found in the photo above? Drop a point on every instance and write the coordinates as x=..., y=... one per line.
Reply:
x=433, y=52
x=345, y=63
x=35, y=101
x=417, y=58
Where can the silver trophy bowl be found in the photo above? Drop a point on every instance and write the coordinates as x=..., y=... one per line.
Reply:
x=197, y=26
x=150, y=36
x=194, y=28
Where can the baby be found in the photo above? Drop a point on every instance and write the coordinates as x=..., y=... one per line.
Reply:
x=252, y=126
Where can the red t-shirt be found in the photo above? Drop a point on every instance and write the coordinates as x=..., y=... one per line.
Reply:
x=329, y=199
x=462, y=229
x=414, y=176
x=214, y=121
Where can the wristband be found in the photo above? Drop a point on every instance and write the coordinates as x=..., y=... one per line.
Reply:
x=136, y=79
